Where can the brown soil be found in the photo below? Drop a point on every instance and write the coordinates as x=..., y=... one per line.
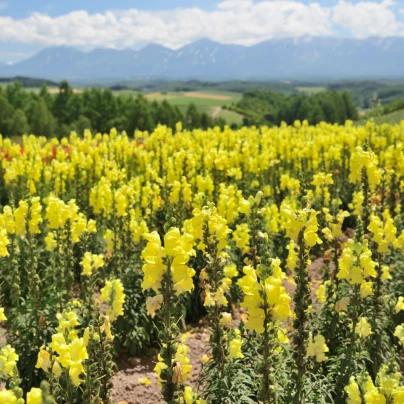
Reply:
x=127, y=388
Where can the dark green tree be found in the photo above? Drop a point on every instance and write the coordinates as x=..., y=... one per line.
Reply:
x=18, y=124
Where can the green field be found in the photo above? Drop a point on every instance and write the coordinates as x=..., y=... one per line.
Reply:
x=394, y=117
x=311, y=90
x=209, y=102
x=231, y=117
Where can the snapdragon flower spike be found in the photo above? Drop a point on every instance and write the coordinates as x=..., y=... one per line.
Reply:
x=271, y=288
x=177, y=249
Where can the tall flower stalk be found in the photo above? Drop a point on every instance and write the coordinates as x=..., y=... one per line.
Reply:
x=167, y=274
x=301, y=227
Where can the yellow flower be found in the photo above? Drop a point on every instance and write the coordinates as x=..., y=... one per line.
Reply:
x=43, y=360
x=384, y=233
x=50, y=241
x=230, y=271
x=75, y=371
x=400, y=304
x=8, y=361
x=153, y=304
x=182, y=369
x=371, y=394
x=353, y=392
x=363, y=328
x=190, y=397
x=178, y=249
x=91, y=226
x=356, y=263
x=367, y=160
x=86, y=264
x=113, y=294
x=4, y=242
x=388, y=380
x=78, y=351
x=235, y=348
x=282, y=336
x=2, y=315
x=91, y=261
x=317, y=348
x=399, y=333
x=34, y=396
x=144, y=380
x=342, y=304
x=310, y=233
x=35, y=216
x=385, y=273
x=366, y=289
x=276, y=296
x=321, y=293
x=241, y=237
x=109, y=237
x=398, y=397
x=154, y=268
x=20, y=215
x=7, y=397
x=56, y=369
x=292, y=256
x=160, y=366
x=226, y=319
x=67, y=321
x=57, y=213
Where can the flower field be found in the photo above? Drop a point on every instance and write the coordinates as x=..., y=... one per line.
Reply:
x=113, y=246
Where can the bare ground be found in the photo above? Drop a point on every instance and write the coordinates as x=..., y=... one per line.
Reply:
x=128, y=389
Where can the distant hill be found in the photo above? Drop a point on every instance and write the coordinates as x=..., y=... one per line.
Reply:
x=29, y=82
x=281, y=59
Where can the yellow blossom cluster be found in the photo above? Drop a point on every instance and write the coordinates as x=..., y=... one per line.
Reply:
x=356, y=266
x=113, y=295
x=66, y=351
x=270, y=290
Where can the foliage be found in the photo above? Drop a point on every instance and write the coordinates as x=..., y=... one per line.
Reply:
x=271, y=108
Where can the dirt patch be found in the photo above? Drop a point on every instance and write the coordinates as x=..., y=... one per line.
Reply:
x=216, y=111
x=127, y=387
x=207, y=96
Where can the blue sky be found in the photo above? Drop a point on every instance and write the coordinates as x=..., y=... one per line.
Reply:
x=22, y=8
x=27, y=26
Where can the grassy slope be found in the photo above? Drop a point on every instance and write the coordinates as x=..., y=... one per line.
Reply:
x=392, y=118
x=207, y=105
x=311, y=90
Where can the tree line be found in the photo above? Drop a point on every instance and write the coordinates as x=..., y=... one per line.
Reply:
x=49, y=114
x=262, y=107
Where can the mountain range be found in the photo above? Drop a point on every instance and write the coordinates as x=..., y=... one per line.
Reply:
x=278, y=59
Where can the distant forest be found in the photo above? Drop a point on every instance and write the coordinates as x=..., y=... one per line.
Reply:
x=262, y=107
x=56, y=112
x=98, y=109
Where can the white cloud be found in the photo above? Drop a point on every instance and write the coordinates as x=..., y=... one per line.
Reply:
x=233, y=21
x=368, y=18
x=235, y=4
